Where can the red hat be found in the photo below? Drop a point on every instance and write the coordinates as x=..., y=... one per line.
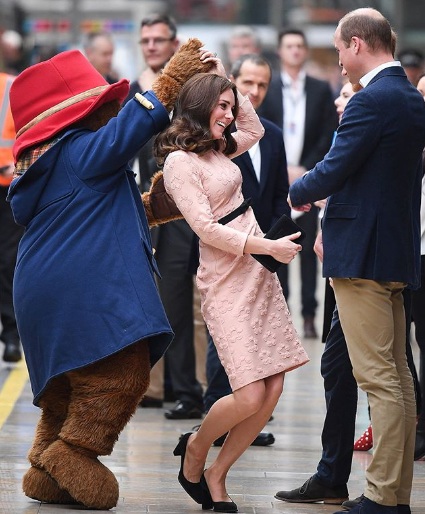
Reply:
x=53, y=94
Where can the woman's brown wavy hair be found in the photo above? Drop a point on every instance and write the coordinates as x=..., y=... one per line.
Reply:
x=190, y=125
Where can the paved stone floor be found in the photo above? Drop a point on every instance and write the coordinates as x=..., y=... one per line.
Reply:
x=147, y=471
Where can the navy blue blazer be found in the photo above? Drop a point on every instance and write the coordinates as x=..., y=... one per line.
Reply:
x=321, y=119
x=269, y=197
x=372, y=176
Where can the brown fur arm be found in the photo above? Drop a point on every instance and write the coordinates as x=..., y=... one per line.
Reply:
x=184, y=64
x=159, y=206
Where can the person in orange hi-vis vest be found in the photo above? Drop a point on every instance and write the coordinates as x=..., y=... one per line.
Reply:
x=10, y=232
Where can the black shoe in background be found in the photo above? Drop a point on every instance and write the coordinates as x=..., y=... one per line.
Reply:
x=309, y=328
x=12, y=352
x=151, y=403
x=184, y=410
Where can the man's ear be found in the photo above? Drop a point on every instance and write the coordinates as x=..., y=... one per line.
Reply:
x=177, y=43
x=356, y=43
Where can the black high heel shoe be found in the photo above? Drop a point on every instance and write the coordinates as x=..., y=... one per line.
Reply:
x=193, y=489
x=209, y=503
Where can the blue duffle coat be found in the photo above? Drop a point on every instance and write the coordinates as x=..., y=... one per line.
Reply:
x=84, y=285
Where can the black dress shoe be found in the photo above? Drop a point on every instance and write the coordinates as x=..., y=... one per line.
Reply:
x=313, y=491
x=12, y=352
x=151, y=403
x=366, y=506
x=309, y=328
x=350, y=504
x=193, y=489
x=420, y=444
x=262, y=439
x=184, y=411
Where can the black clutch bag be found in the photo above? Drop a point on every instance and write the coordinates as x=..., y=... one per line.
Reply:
x=284, y=226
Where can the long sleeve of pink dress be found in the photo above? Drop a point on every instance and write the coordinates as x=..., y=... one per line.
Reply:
x=242, y=302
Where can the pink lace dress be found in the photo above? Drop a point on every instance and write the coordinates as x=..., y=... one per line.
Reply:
x=242, y=302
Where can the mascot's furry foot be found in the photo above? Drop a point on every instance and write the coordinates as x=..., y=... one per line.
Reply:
x=39, y=485
x=79, y=472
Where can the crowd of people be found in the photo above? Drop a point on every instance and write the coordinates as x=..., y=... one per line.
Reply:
x=233, y=144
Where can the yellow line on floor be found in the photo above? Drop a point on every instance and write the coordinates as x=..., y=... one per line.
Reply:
x=11, y=390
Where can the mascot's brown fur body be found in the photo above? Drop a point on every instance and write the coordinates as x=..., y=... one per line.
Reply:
x=84, y=410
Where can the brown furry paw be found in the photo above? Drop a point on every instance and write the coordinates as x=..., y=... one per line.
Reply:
x=181, y=67
x=159, y=206
x=80, y=472
x=39, y=485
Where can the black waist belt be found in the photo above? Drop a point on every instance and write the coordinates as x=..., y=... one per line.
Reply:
x=237, y=212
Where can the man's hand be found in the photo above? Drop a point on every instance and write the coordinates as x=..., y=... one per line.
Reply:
x=300, y=208
x=318, y=246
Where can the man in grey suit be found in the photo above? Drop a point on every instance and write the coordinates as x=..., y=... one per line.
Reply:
x=371, y=241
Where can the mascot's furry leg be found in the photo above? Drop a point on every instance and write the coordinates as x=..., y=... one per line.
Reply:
x=37, y=483
x=104, y=396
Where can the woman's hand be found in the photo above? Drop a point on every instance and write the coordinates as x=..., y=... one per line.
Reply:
x=284, y=249
x=218, y=69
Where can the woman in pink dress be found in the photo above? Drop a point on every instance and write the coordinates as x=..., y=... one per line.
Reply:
x=242, y=302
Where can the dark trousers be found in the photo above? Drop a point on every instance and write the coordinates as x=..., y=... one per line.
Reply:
x=218, y=383
x=341, y=406
x=176, y=291
x=418, y=316
x=10, y=235
x=341, y=395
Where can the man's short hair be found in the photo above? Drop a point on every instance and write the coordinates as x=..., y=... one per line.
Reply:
x=291, y=31
x=153, y=19
x=246, y=31
x=254, y=58
x=90, y=38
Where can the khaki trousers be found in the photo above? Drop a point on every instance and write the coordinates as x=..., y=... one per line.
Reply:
x=373, y=320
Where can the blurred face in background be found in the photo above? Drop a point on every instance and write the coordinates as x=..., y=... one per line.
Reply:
x=100, y=54
x=344, y=95
x=241, y=45
x=157, y=45
x=293, y=51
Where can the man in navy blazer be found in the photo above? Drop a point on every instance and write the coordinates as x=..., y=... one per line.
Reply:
x=371, y=241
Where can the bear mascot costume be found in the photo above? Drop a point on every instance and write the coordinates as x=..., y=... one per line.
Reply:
x=89, y=315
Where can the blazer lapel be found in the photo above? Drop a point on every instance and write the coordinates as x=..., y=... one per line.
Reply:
x=247, y=162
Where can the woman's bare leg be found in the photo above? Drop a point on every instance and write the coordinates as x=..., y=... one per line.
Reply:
x=243, y=414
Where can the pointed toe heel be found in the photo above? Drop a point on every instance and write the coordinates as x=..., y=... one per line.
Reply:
x=209, y=504
x=193, y=489
x=225, y=507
